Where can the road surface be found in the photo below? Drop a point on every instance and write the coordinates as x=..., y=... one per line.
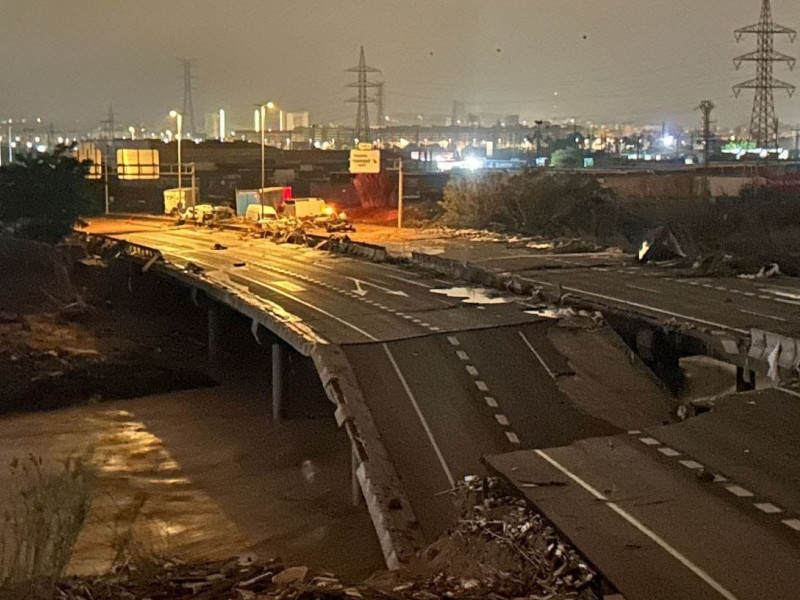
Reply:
x=707, y=508
x=446, y=381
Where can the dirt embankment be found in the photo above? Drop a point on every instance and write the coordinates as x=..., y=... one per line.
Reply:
x=69, y=336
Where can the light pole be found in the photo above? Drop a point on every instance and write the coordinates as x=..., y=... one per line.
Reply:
x=264, y=106
x=179, y=118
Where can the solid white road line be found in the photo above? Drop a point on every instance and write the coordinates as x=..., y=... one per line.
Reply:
x=316, y=308
x=788, y=391
x=425, y=426
x=716, y=586
x=639, y=305
x=758, y=314
x=536, y=354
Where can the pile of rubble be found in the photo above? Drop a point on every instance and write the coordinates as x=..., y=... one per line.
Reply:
x=500, y=548
x=235, y=579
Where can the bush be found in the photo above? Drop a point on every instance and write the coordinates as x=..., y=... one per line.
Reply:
x=43, y=195
x=376, y=190
x=547, y=204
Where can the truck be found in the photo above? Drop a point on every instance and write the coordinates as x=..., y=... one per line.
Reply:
x=269, y=196
x=177, y=200
x=305, y=208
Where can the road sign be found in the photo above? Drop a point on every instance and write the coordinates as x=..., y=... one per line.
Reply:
x=365, y=161
x=364, y=146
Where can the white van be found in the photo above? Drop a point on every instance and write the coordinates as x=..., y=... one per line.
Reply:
x=257, y=213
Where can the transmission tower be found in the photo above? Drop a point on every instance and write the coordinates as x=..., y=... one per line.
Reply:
x=188, y=106
x=763, y=124
x=706, y=106
x=361, y=131
x=109, y=127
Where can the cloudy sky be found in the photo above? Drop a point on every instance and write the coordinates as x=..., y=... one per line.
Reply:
x=603, y=61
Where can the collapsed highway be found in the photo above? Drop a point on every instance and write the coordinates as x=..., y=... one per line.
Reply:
x=430, y=376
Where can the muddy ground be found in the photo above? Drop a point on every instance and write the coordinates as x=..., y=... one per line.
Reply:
x=182, y=463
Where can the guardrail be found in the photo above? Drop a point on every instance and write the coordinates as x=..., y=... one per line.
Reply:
x=109, y=247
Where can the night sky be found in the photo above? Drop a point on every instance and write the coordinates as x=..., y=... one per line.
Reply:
x=608, y=60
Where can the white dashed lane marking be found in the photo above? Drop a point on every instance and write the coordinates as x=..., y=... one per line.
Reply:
x=472, y=370
x=491, y=402
x=512, y=437
x=768, y=508
x=793, y=523
x=502, y=419
x=462, y=355
x=481, y=385
x=691, y=464
x=737, y=490
x=453, y=340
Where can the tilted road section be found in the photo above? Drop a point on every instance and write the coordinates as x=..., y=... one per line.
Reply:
x=427, y=376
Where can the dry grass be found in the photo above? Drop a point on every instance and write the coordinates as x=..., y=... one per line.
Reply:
x=44, y=510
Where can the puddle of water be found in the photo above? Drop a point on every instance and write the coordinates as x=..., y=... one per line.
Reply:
x=472, y=295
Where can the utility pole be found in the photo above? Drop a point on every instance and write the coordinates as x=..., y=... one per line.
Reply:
x=539, y=124
x=109, y=125
x=188, y=85
x=706, y=106
x=400, y=193
x=361, y=131
x=762, y=120
x=381, y=120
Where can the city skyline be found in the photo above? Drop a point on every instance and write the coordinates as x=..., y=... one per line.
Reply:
x=615, y=63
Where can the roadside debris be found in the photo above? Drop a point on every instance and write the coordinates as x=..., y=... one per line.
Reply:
x=766, y=272
x=469, y=295
x=659, y=245
x=500, y=548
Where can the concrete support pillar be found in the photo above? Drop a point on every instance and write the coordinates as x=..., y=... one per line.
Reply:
x=355, y=485
x=277, y=382
x=742, y=384
x=214, y=339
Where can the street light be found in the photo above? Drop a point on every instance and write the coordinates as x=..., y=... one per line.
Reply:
x=263, y=114
x=179, y=118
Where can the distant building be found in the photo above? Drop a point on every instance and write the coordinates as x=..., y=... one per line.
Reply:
x=295, y=120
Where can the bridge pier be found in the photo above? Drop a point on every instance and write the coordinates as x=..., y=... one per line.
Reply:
x=742, y=384
x=277, y=382
x=214, y=339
